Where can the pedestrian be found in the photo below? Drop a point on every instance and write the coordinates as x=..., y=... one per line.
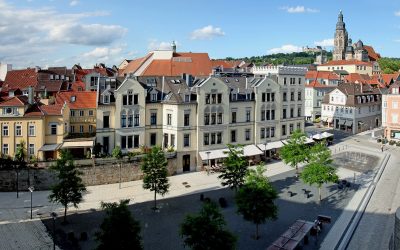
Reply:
x=382, y=147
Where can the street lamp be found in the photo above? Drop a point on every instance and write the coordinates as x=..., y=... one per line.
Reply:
x=31, y=189
x=54, y=216
x=208, y=160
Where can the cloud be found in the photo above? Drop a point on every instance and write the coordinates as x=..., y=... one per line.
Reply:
x=397, y=13
x=287, y=48
x=74, y=3
x=32, y=34
x=154, y=44
x=206, y=33
x=325, y=43
x=299, y=9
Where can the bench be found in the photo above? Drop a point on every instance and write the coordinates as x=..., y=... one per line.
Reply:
x=324, y=218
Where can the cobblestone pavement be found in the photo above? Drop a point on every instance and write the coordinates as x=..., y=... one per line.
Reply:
x=17, y=231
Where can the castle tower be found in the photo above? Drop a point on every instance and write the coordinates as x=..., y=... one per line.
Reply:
x=341, y=39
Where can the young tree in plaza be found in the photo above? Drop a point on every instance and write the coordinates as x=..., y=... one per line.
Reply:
x=319, y=170
x=119, y=230
x=255, y=199
x=234, y=168
x=206, y=230
x=295, y=151
x=154, y=167
x=70, y=187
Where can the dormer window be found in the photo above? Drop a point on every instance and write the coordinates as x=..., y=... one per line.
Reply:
x=106, y=99
x=11, y=93
x=73, y=98
x=10, y=111
x=153, y=97
x=51, y=77
x=187, y=98
x=67, y=78
x=57, y=77
x=62, y=77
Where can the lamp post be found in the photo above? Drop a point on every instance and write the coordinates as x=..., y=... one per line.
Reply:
x=31, y=189
x=54, y=216
x=208, y=160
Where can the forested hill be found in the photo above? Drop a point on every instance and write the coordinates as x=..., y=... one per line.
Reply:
x=389, y=65
x=281, y=58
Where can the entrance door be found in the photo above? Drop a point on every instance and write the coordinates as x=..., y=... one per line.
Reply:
x=376, y=122
x=186, y=163
x=105, y=144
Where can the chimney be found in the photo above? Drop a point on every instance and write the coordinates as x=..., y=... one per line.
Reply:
x=30, y=95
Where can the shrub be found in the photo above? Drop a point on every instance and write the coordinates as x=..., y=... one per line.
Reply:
x=398, y=144
x=391, y=142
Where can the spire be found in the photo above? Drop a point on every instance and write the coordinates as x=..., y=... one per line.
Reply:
x=340, y=24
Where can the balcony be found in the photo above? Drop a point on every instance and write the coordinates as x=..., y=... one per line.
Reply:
x=82, y=119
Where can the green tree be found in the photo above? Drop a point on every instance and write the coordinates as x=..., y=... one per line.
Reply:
x=206, y=230
x=154, y=167
x=234, y=169
x=119, y=230
x=295, y=151
x=319, y=170
x=19, y=163
x=70, y=188
x=255, y=199
x=117, y=153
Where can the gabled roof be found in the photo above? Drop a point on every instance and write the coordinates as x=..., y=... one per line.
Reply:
x=225, y=63
x=313, y=74
x=134, y=65
x=83, y=99
x=346, y=62
x=39, y=109
x=78, y=84
x=15, y=101
x=20, y=79
x=389, y=78
x=373, y=56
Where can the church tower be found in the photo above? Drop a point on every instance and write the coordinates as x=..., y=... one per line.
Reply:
x=341, y=39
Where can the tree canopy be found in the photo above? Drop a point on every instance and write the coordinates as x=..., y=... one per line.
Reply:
x=389, y=65
x=234, y=168
x=295, y=151
x=119, y=230
x=255, y=199
x=154, y=167
x=207, y=230
x=70, y=188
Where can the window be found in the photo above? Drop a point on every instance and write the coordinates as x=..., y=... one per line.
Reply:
x=284, y=97
x=5, y=130
x=18, y=130
x=136, y=141
x=247, y=135
x=206, y=139
x=212, y=138
x=81, y=113
x=219, y=118
x=208, y=99
x=298, y=126
x=291, y=113
x=233, y=135
x=213, y=118
x=206, y=119
x=153, y=139
x=169, y=119
x=262, y=133
x=106, y=121
x=106, y=99
x=153, y=118
x=123, y=120
x=31, y=130
x=72, y=128
x=299, y=80
x=214, y=98
x=268, y=115
x=186, y=140
x=219, y=99
x=292, y=96
x=130, y=120
x=263, y=97
x=72, y=112
x=268, y=97
x=394, y=105
x=136, y=122
x=5, y=149
x=31, y=149
x=262, y=115
x=299, y=96
x=394, y=118
x=80, y=128
x=90, y=112
x=272, y=114
x=130, y=142
x=272, y=130
x=219, y=137
x=53, y=129
x=284, y=81
x=187, y=98
x=283, y=130
x=153, y=97
x=233, y=116
x=136, y=99
x=123, y=142
x=172, y=140
x=186, y=119
x=272, y=97
x=124, y=100
x=165, y=140
x=298, y=112
x=90, y=128
x=248, y=116
x=291, y=128
x=284, y=114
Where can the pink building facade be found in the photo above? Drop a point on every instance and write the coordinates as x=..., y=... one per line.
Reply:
x=391, y=112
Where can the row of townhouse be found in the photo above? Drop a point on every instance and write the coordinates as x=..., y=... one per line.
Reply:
x=196, y=116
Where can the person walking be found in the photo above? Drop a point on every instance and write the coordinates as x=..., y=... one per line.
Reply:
x=382, y=147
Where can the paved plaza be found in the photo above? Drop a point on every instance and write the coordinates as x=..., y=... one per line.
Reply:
x=27, y=234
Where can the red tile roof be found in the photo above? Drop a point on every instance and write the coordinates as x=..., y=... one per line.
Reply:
x=389, y=78
x=83, y=99
x=54, y=109
x=346, y=62
x=225, y=63
x=78, y=84
x=15, y=101
x=20, y=79
x=373, y=56
x=312, y=74
x=134, y=65
x=363, y=78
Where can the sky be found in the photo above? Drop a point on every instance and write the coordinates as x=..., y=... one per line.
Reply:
x=65, y=32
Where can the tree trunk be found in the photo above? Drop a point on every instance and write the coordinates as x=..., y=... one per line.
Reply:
x=65, y=213
x=297, y=171
x=155, y=199
x=319, y=191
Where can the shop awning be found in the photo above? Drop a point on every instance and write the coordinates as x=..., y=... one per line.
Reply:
x=349, y=123
x=213, y=154
x=317, y=137
x=50, y=147
x=309, y=140
x=251, y=150
x=326, y=135
x=77, y=144
x=271, y=145
x=342, y=122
